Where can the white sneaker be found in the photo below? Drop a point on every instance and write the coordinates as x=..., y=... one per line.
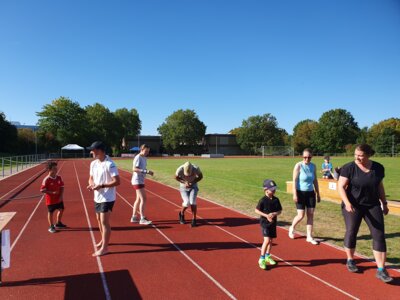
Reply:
x=134, y=219
x=291, y=232
x=312, y=241
x=144, y=221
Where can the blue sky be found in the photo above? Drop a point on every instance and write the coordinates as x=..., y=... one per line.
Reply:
x=225, y=59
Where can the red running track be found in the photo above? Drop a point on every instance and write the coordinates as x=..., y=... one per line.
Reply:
x=217, y=260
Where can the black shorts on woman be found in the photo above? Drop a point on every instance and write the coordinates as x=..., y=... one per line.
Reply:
x=305, y=199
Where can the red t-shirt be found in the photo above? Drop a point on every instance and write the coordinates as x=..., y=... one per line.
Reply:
x=53, y=185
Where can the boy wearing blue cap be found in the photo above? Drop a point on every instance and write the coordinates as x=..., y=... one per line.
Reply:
x=268, y=208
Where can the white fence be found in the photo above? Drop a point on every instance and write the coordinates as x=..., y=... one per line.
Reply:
x=13, y=164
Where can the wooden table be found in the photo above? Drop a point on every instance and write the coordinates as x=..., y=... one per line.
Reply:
x=5, y=217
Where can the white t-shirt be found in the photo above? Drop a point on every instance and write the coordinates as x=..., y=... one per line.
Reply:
x=139, y=162
x=195, y=173
x=102, y=173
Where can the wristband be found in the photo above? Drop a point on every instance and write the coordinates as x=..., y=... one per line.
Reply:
x=102, y=186
x=144, y=171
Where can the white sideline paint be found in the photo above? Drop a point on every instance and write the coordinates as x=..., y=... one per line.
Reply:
x=247, y=242
x=30, y=217
x=220, y=286
x=99, y=264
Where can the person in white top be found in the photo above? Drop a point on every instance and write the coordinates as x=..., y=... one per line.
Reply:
x=103, y=179
x=188, y=175
x=138, y=177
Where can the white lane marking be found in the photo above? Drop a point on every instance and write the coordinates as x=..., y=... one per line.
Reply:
x=99, y=264
x=220, y=286
x=9, y=192
x=247, y=242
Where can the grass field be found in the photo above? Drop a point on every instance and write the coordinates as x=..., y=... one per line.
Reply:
x=237, y=183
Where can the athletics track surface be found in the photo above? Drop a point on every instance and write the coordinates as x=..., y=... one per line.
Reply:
x=217, y=260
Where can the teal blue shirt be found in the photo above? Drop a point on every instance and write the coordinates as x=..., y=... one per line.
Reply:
x=306, y=178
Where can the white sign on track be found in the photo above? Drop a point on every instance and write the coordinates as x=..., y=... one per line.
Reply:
x=5, y=249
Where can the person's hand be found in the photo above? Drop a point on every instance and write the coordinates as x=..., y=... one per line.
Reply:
x=295, y=198
x=385, y=209
x=318, y=198
x=270, y=217
x=349, y=208
x=96, y=187
x=90, y=187
x=188, y=184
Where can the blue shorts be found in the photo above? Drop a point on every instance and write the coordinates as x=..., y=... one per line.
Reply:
x=104, y=207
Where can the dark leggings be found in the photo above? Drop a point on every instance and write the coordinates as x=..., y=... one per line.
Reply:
x=373, y=216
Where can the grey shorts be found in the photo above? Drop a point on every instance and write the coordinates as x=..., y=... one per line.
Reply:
x=189, y=196
x=104, y=207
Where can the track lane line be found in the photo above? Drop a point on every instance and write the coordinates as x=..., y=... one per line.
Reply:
x=99, y=264
x=254, y=246
x=208, y=275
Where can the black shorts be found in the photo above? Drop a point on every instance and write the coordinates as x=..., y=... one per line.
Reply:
x=104, y=207
x=268, y=230
x=305, y=199
x=52, y=207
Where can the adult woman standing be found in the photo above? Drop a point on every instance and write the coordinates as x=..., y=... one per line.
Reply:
x=305, y=194
x=138, y=177
x=361, y=189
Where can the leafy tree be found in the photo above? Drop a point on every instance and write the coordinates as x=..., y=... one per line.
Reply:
x=65, y=120
x=384, y=134
x=102, y=124
x=8, y=135
x=259, y=131
x=26, y=141
x=130, y=125
x=362, y=136
x=302, y=135
x=182, y=131
x=336, y=129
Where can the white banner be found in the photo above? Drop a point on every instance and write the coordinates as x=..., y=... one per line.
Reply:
x=5, y=249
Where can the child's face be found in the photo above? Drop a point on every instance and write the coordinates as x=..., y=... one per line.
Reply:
x=269, y=193
x=326, y=161
x=53, y=170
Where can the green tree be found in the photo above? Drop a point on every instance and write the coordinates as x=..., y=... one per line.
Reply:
x=26, y=141
x=65, y=120
x=130, y=125
x=8, y=135
x=302, y=135
x=259, y=131
x=336, y=129
x=102, y=125
x=182, y=131
x=384, y=135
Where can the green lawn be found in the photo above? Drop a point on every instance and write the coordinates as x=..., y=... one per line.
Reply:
x=237, y=183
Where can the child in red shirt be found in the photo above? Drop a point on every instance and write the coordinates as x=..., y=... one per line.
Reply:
x=53, y=187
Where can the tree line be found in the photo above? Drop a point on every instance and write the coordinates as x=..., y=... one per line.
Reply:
x=64, y=121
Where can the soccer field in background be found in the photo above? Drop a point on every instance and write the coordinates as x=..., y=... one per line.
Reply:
x=237, y=183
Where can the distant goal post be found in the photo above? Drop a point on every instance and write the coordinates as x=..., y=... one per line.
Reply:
x=276, y=151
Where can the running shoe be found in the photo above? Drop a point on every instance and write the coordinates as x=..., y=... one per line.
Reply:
x=52, y=229
x=144, y=221
x=268, y=259
x=194, y=224
x=383, y=275
x=261, y=263
x=134, y=219
x=351, y=266
x=181, y=218
x=312, y=241
x=61, y=225
x=291, y=232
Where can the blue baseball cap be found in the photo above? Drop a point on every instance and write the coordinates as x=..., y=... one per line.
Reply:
x=269, y=184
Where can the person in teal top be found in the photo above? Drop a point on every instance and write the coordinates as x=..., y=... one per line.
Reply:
x=305, y=194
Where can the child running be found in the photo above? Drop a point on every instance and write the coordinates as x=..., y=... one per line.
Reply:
x=268, y=208
x=53, y=188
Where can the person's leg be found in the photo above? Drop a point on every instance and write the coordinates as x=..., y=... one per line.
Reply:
x=142, y=202
x=193, y=204
x=136, y=203
x=59, y=215
x=105, y=233
x=297, y=219
x=185, y=205
x=352, y=221
x=310, y=223
x=50, y=218
x=266, y=246
x=100, y=243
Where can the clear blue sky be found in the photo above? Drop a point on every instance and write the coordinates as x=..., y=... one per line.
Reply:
x=226, y=59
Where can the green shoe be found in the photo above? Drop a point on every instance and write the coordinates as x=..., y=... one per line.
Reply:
x=261, y=263
x=269, y=260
